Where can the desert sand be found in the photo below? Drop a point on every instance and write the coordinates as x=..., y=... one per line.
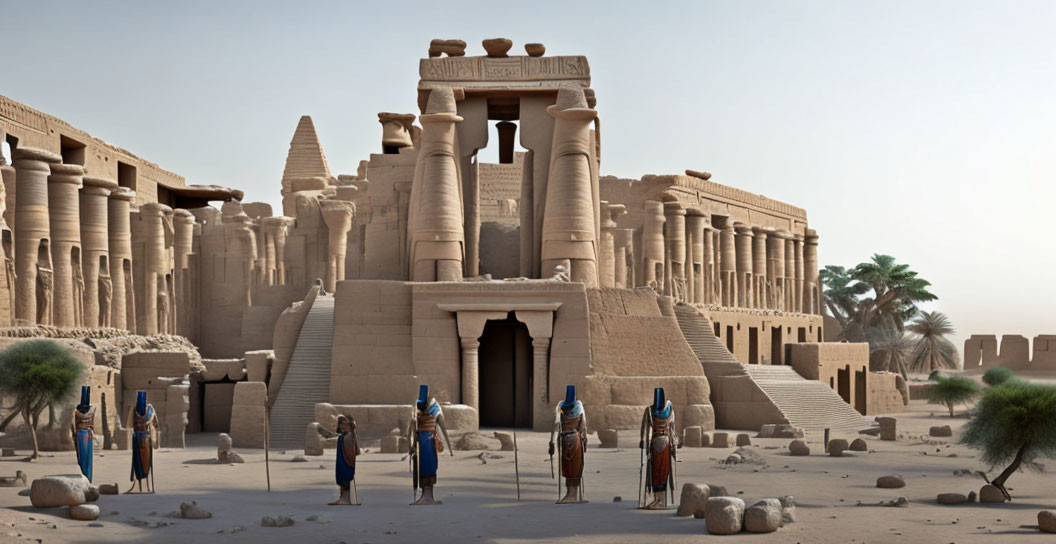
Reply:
x=480, y=503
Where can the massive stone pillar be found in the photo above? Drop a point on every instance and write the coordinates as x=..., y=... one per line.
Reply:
x=119, y=231
x=619, y=239
x=675, y=242
x=7, y=244
x=240, y=249
x=811, y=285
x=798, y=241
x=762, y=292
x=695, y=225
x=790, y=273
x=64, y=215
x=338, y=217
x=570, y=222
x=95, y=243
x=728, y=264
x=32, y=235
x=186, y=303
x=745, y=263
x=437, y=239
x=775, y=268
x=155, y=308
x=653, y=245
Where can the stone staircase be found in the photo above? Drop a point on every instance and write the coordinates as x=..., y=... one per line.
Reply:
x=807, y=404
x=307, y=379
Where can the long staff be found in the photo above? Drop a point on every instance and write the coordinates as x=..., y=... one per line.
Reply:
x=267, y=446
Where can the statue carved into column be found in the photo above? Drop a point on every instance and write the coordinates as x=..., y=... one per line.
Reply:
x=45, y=286
x=106, y=296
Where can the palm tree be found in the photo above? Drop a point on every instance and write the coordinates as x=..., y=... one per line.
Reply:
x=841, y=292
x=896, y=290
x=889, y=350
x=933, y=351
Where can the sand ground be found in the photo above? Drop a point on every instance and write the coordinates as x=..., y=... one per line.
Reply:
x=479, y=500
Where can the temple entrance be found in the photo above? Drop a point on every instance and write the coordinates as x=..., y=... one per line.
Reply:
x=505, y=379
x=843, y=383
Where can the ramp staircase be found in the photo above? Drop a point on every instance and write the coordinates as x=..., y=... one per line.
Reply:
x=307, y=379
x=807, y=404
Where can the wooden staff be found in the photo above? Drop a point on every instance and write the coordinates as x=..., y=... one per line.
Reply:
x=516, y=466
x=267, y=444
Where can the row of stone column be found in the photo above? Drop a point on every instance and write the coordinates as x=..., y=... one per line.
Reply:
x=737, y=265
x=73, y=252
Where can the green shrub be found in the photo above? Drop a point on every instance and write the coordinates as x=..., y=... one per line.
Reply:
x=952, y=390
x=35, y=375
x=997, y=376
x=1013, y=423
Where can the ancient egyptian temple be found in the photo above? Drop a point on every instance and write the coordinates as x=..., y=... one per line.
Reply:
x=495, y=283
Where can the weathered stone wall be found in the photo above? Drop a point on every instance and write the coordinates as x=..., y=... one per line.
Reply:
x=981, y=351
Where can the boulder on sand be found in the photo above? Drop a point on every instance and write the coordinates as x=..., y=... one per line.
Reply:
x=837, y=446
x=940, y=431
x=83, y=512
x=1047, y=521
x=990, y=493
x=694, y=500
x=891, y=481
x=763, y=516
x=724, y=515
x=952, y=498
x=859, y=444
x=609, y=438
x=798, y=448
x=60, y=490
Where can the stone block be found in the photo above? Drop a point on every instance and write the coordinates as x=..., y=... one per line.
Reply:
x=258, y=365
x=888, y=428
x=609, y=438
x=720, y=440
x=837, y=446
x=724, y=515
x=941, y=431
x=691, y=437
x=694, y=500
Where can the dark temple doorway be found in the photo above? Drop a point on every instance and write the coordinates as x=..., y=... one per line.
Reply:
x=505, y=374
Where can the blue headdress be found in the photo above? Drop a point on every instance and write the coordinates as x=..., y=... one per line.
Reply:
x=141, y=403
x=659, y=400
x=86, y=399
x=570, y=398
x=423, y=396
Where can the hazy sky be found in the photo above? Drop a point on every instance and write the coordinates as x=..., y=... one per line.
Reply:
x=926, y=130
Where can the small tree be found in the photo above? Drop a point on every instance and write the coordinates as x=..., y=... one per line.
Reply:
x=952, y=390
x=997, y=376
x=34, y=375
x=1014, y=423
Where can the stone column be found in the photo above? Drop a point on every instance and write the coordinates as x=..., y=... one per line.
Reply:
x=470, y=373
x=157, y=299
x=540, y=375
x=709, y=265
x=811, y=285
x=32, y=232
x=728, y=264
x=775, y=268
x=95, y=243
x=277, y=230
x=790, y=273
x=240, y=249
x=653, y=245
x=7, y=244
x=695, y=267
x=183, y=248
x=798, y=240
x=64, y=215
x=762, y=293
x=675, y=240
x=745, y=262
x=569, y=221
x=437, y=239
x=607, y=249
x=620, y=241
x=338, y=217
x=119, y=231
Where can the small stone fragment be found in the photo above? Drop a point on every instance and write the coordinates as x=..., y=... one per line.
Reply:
x=84, y=512
x=893, y=481
x=276, y=521
x=859, y=444
x=940, y=431
x=191, y=510
x=952, y=498
x=798, y=448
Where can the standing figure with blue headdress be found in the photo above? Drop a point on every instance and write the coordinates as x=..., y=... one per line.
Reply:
x=83, y=434
x=570, y=420
x=144, y=425
x=426, y=446
x=657, y=438
x=347, y=450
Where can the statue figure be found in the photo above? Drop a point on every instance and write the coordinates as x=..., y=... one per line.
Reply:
x=570, y=419
x=678, y=289
x=163, y=312
x=144, y=424
x=45, y=284
x=657, y=440
x=106, y=297
x=426, y=447
x=561, y=272
x=9, y=269
x=347, y=450
x=78, y=296
x=83, y=422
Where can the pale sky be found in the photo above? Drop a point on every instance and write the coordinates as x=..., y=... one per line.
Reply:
x=920, y=129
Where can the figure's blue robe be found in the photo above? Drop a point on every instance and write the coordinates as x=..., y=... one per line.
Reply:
x=428, y=458
x=344, y=471
x=84, y=452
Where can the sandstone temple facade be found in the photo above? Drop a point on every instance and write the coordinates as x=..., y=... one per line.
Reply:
x=497, y=284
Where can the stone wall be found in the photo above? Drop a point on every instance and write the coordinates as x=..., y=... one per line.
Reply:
x=736, y=330
x=981, y=352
